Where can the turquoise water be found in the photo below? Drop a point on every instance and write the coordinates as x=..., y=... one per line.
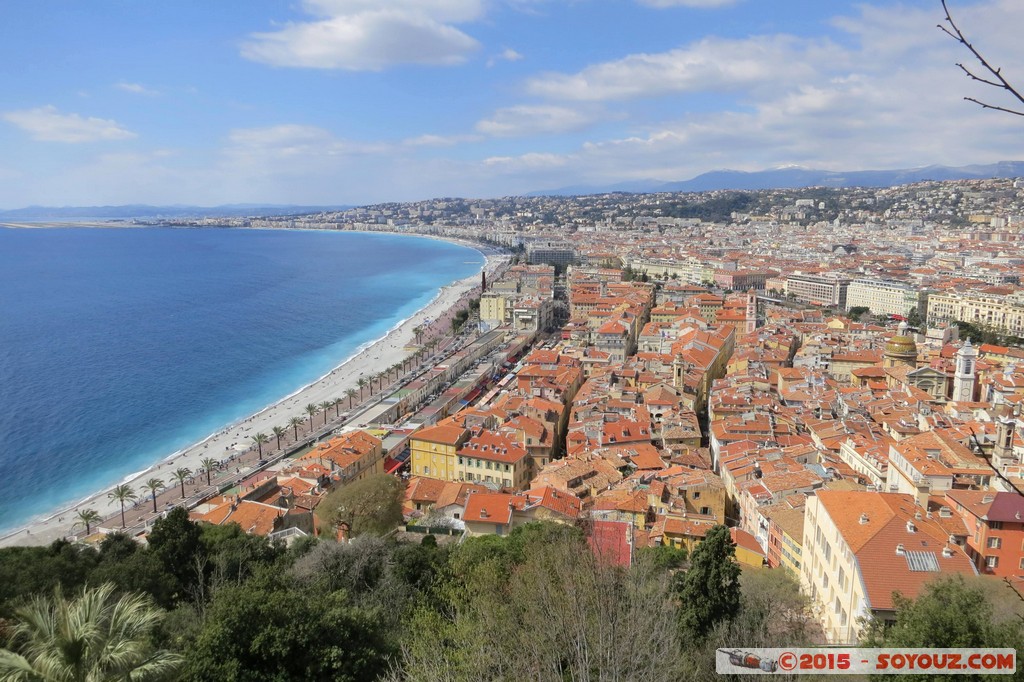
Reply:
x=119, y=347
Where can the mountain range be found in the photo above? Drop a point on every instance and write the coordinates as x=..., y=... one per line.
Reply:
x=790, y=177
x=793, y=177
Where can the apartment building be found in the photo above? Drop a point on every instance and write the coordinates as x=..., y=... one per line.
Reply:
x=818, y=290
x=884, y=297
x=860, y=548
x=995, y=529
x=999, y=312
x=551, y=252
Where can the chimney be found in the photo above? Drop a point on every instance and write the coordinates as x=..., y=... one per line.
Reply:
x=863, y=519
x=900, y=549
x=911, y=528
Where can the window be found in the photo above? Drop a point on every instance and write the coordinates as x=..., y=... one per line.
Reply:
x=506, y=467
x=706, y=511
x=996, y=525
x=460, y=460
x=995, y=543
x=696, y=494
x=457, y=515
x=991, y=561
x=426, y=470
x=489, y=465
x=1022, y=564
x=839, y=607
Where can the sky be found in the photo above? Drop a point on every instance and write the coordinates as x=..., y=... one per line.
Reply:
x=363, y=101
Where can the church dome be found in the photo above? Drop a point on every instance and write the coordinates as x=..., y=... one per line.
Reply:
x=901, y=345
x=901, y=348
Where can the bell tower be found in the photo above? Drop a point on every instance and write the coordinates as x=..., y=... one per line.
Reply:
x=964, y=378
x=1002, y=452
x=751, y=325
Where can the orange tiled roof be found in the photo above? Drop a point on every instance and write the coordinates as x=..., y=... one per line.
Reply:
x=877, y=527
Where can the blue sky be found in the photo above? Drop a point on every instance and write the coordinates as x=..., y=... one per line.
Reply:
x=361, y=101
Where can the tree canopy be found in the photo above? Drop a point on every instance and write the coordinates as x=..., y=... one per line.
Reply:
x=369, y=505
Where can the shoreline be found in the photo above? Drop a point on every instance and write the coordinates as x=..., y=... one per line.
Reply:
x=368, y=359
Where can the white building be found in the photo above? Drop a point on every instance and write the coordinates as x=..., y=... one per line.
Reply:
x=883, y=297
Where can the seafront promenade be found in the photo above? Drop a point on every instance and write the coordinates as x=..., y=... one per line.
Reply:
x=233, y=450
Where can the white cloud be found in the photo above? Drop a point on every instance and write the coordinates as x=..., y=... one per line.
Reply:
x=661, y=4
x=357, y=35
x=292, y=141
x=136, y=88
x=506, y=55
x=47, y=124
x=532, y=120
x=429, y=140
x=713, y=64
x=527, y=162
x=441, y=10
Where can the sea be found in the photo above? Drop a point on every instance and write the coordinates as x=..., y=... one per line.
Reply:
x=119, y=347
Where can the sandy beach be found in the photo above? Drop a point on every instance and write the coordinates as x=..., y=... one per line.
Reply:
x=236, y=438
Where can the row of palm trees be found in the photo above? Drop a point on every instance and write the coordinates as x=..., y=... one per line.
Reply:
x=124, y=493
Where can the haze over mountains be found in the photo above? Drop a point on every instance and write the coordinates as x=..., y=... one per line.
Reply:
x=790, y=177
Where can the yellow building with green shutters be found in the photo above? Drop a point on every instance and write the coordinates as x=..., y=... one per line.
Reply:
x=432, y=450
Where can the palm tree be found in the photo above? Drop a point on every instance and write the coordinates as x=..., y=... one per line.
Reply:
x=295, y=423
x=350, y=393
x=88, y=517
x=181, y=475
x=209, y=464
x=325, y=406
x=361, y=383
x=311, y=410
x=153, y=485
x=260, y=439
x=93, y=637
x=417, y=332
x=278, y=432
x=122, y=493
x=337, y=406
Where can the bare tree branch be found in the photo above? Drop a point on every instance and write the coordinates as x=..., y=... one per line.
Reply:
x=978, y=450
x=992, y=106
x=999, y=82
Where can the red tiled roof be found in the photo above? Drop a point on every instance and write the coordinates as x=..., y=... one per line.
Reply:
x=610, y=542
x=492, y=507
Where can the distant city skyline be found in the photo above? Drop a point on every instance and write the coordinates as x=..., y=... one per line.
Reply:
x=360, y=101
